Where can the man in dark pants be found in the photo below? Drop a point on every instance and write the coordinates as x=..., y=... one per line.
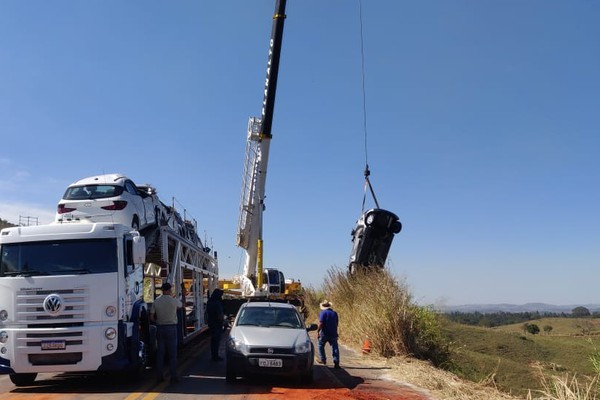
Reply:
x=327, y=333
x=214, y=311
x=164, y=314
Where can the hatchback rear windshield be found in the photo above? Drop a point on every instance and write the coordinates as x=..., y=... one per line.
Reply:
x=92, y=192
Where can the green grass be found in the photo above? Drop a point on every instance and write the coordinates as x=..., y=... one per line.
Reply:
x=560, y=326
x=513, y=361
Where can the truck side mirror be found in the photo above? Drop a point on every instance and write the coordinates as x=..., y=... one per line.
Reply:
x=139, y=250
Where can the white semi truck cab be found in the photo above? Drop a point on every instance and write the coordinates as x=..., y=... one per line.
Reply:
x=72, y=299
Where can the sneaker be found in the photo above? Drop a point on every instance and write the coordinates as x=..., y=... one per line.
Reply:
x=336, y=365
x=323, y=362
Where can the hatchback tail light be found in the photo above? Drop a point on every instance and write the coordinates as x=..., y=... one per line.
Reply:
x=116, y=206
x=61, y=209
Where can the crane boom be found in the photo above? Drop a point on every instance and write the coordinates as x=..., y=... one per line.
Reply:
x=252, y=205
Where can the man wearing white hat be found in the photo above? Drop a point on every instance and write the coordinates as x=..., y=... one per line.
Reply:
x=327, y=332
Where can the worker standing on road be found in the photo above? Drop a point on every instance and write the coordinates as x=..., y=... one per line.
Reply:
x=327, y=332
x=216, y=316
x=164, y=314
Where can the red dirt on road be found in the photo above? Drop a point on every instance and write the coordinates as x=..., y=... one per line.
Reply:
x=378, y=390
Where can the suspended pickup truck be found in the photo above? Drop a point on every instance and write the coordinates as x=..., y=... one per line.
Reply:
x=372, y=238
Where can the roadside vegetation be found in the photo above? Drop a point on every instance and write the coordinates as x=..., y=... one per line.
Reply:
x=5, y=224
x=545, y=358
x=383, y=314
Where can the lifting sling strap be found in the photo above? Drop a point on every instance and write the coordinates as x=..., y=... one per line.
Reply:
x=368, y=183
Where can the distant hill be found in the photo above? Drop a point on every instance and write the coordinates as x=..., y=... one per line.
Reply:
x=515, y=308
x=5, y=224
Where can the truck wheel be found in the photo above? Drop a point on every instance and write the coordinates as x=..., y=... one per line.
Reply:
x=396, y=227
x=23, y=379
x=140, y=356
x=370, y=218
x=135, y=224
x=352, y=268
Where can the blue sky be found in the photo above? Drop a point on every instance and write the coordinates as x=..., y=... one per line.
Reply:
x=482, y=122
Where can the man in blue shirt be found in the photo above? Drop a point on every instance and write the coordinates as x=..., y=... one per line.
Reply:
x=327, y=332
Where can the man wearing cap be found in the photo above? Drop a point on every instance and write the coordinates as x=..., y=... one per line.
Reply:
x=164, y=314
x=327, y=332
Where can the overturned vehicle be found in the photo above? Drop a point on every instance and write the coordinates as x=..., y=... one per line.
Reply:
x=372, y=238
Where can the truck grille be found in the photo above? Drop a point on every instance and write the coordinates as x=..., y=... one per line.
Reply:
x=64, y=327
x=30, y=308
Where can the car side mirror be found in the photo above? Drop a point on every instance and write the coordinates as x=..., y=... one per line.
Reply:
x=311, y=327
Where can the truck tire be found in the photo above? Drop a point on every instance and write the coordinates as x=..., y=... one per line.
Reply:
x=135, y=224
x=23, y=379
x=140, y=348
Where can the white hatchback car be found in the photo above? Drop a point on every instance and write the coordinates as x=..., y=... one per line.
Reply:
x=109, y=198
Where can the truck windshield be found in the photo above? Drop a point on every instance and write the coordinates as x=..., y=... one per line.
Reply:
x=92, y=256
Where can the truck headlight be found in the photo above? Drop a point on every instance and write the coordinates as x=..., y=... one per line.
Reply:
x=3, y=315
x=302, y=347
x=3, y=337
x=110, y=311
x=110, y=333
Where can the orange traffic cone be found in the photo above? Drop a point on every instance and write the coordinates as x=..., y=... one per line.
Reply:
x=366, y=346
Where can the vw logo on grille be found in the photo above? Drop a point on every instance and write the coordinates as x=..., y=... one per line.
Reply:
x=270, y=351
x=53, y=304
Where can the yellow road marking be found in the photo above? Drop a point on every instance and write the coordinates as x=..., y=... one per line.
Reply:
x=153, y=391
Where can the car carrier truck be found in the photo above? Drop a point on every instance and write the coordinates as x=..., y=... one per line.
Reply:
x=76, y=296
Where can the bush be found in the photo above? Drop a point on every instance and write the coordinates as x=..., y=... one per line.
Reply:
x=373, y=305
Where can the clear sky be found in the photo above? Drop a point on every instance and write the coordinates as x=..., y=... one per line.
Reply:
x=482, y=129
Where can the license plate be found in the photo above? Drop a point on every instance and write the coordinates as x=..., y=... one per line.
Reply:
x=54, y=345
x=270, y=362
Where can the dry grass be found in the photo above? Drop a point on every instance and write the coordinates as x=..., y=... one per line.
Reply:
x=565, y=387
x=443, y=385
x=409, y=341
x=381, y=311
x=437, y=383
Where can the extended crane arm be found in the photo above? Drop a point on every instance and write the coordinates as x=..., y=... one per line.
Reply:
x=249, y=235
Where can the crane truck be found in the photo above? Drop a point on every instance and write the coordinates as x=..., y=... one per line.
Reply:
x=257, y=281
x=76, y=296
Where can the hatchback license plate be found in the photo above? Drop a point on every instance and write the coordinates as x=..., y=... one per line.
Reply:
x=270, y=362
x=54, y=345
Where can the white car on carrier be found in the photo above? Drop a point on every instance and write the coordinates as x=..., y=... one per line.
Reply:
x=110, y=198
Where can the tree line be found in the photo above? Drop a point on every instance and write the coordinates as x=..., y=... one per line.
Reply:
x=490, y=320
x=5, y=224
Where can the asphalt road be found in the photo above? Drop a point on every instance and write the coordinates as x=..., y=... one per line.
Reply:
x=205, y=379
